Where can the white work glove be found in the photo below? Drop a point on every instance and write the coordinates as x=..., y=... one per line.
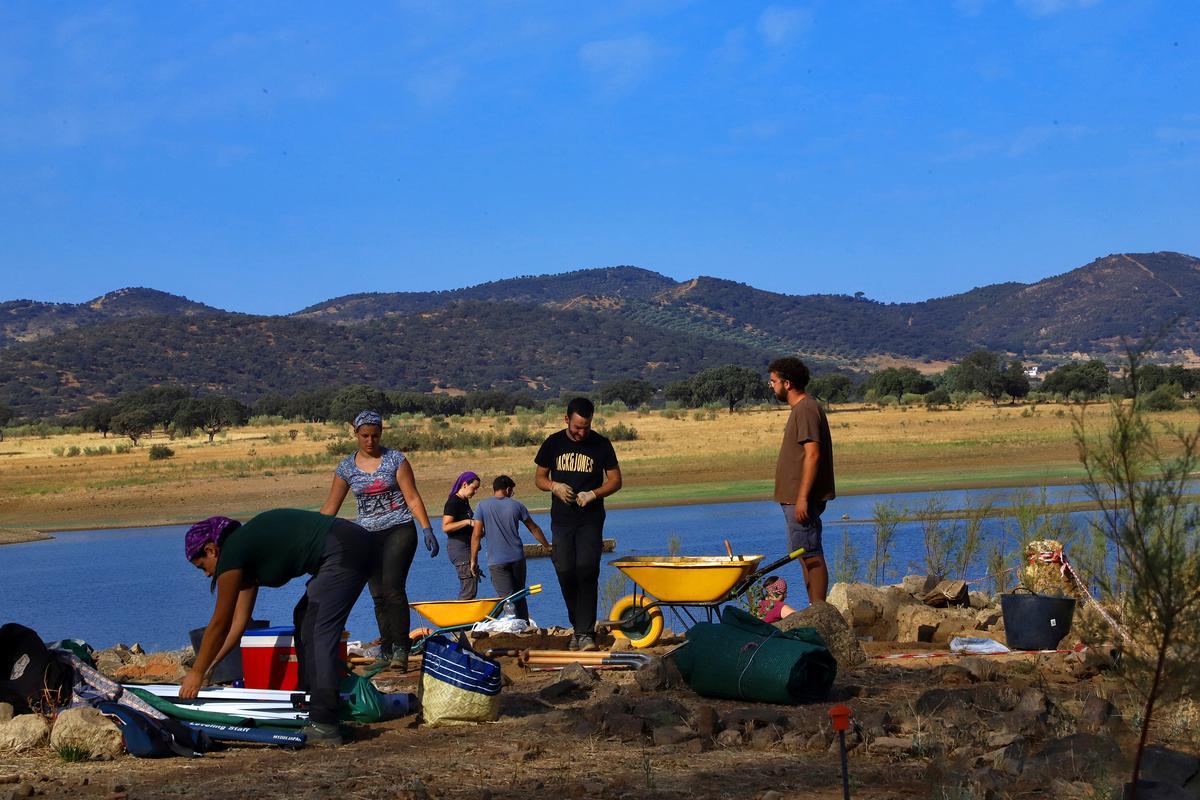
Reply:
x=563, y=492
x=583, y=498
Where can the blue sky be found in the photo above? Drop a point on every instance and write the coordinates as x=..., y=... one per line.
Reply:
x=265, y=156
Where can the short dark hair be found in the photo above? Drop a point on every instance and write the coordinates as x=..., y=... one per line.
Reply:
x=791, y=370
x=582, y=407
x=503, y=483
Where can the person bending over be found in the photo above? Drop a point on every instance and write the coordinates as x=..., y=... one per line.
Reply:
x=270, y=550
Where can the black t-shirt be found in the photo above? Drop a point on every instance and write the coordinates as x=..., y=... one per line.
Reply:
x=459, y=509
x=580, y=465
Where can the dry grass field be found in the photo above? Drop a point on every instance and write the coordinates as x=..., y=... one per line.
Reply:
x=698, y=456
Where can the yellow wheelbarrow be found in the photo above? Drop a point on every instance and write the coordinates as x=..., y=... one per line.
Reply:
x=691, y=586
x=459, y=615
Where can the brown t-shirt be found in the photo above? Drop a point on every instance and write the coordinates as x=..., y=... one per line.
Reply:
x=806, y=423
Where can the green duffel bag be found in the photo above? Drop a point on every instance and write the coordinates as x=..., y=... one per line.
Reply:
x=744, y=658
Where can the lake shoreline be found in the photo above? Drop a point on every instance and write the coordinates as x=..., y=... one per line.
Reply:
x=671, y=496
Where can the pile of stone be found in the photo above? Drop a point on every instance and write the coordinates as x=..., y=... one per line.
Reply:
x=132, y=664
x=918, y=609
x=84, y=733
x=76, y=734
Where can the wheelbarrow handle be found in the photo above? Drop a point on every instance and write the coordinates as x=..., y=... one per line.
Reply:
x=774, y=565
x=758, y=573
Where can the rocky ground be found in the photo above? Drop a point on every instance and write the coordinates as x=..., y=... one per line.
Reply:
x=942, y=726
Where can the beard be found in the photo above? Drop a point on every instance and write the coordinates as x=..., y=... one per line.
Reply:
x=781, y=395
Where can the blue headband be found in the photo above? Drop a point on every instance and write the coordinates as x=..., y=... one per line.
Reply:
x=368, y=418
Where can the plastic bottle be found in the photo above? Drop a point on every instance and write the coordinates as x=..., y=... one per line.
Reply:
x=510, y=610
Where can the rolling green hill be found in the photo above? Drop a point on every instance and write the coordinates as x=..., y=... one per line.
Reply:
x=569, y=331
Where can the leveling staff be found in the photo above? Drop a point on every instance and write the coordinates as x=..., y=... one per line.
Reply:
x=579, y=468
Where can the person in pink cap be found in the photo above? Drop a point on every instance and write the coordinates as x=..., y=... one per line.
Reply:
x=270, y=550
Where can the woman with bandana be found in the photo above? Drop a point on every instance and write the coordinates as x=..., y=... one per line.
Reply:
x=388, y=502
x=773, y=607
x=270, y=550
x=457, y=522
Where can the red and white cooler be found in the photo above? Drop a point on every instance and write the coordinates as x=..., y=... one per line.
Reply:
x=269, y=658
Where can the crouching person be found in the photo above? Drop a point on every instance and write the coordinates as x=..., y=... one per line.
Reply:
x=270, y=550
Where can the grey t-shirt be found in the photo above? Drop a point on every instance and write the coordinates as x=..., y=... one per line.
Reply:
x=381, y=504
x=501, y=518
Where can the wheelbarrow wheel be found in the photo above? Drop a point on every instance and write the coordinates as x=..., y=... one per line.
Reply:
x=641, y=626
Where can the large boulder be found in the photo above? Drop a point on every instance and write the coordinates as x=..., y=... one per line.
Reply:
x=916, y=622
x=89, y=731
x=918, y=585
x=861, y=604
x=23, y=732
x=830, y=623
x=869, y=610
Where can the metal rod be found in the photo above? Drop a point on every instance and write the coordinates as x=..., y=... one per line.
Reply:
x=845, y=768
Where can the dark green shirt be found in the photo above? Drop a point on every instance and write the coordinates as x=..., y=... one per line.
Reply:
x=276, y=546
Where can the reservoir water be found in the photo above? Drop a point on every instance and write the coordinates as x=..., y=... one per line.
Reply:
x=134, y=585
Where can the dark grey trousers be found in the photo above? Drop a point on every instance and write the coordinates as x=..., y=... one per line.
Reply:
x=508, y=578
x=459, y=553
x=320, y=616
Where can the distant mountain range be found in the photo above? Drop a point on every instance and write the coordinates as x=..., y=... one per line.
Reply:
x=569, y=331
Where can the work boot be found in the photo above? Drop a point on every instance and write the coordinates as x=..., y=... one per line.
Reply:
x=385, y=656
x=399, y=660
x=322, y=734
x=574, y=643
x=586, y=643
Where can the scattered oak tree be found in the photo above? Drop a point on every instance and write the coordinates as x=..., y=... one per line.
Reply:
x=134, y=423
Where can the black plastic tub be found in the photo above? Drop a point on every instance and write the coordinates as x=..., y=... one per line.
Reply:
x=1035, y=621
x=229, y=668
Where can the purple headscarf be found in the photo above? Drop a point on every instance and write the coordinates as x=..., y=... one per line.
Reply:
x=212, y=530
x=461, y=481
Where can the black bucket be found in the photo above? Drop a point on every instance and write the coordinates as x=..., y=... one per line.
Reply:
x=229, y=668
x=1035, y=621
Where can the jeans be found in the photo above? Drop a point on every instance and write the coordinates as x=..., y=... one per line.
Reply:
x=320, y=616
x=577, y=549
x=509, y=578
x=395, y=549
x=459, y=553
x=807, y=535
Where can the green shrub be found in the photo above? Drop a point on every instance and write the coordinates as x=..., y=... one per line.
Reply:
x=1164, y=398
x=73, y=451
x=57, y=451
x=343, y=445
x=522, y=437
x=102, y=450
x=158, y=452
x=621, y=433
x=266, y=420
x=123, y=447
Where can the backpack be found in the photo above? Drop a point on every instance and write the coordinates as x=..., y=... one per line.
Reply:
x=147, y=737
x=31, y=677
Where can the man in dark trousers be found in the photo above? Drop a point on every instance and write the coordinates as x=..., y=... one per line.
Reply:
x=804, y=471
x=579, y=468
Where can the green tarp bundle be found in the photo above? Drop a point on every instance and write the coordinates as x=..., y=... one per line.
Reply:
x=744, y=658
